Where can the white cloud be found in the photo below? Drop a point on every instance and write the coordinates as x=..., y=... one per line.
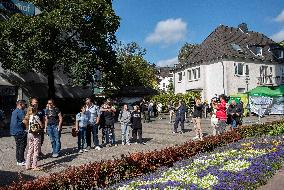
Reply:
x=168, y=62
x=280, y=17
x=168, y=32
x=279, y=36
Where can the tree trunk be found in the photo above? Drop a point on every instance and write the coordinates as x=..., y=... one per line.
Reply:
x=51, y=86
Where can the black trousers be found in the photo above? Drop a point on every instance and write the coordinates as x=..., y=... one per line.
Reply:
x=136, y=131
x=21, y=144
x=89, y=135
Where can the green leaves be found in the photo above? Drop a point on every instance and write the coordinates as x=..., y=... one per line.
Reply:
x=75, y=35
x=132, y=68
x=184, y=52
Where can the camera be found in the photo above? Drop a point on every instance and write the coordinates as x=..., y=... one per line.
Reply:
x=217, y=98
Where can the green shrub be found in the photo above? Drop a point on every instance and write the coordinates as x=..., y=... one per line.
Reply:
x=165, y=99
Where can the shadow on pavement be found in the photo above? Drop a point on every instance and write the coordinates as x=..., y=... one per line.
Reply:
x=67, y=155
x=8, y=177
x=4, y=133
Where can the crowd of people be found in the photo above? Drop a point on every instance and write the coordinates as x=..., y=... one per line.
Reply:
x=222, y=114
x=29, y=125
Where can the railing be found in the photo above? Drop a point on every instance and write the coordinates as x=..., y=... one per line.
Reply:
x=269, y=80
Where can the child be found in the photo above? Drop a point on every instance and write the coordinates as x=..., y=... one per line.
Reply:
x=81, y=126
x=34, y=138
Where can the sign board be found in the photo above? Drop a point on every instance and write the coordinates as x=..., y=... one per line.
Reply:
x=17, y=6
x=267, y=105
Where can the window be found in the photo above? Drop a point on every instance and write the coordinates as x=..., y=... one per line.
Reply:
x=198, y=72
x=194, y=73
x=189, y=75
x=270, y=69
x=247, y=70
x=164, y=84
x=237, y=48
x=179, y=77
x=241, y=90
x=258, y=50
x=241, y=69
x=278, y=53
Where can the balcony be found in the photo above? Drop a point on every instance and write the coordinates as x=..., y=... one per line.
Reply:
x=269, y=80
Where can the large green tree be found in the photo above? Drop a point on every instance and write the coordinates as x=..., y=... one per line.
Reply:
x=74, y=35
x=133, y=69
x=184, y=52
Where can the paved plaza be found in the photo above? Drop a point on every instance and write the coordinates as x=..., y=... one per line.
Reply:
x=157, y=135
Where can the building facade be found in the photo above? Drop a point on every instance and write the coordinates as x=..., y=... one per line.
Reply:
x=165, y=78
x=230, y=61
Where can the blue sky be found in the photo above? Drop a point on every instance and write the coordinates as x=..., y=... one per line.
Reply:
x=163, y=26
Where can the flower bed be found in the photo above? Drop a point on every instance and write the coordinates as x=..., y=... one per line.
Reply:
x=246, y=164
x=102, y=174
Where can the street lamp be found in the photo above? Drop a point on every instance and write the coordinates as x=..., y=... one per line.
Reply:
x=247, y=82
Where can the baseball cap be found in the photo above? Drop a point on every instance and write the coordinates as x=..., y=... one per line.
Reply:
x=21, y=102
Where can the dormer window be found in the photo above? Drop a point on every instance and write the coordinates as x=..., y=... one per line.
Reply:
x=237, y=48
x=278, y=53
x=258, y=51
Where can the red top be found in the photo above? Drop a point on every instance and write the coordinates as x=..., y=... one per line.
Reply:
x=221, y=113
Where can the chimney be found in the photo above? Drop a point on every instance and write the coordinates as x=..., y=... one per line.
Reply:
x=244, y=27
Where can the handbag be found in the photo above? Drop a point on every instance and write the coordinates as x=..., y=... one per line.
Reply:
x=74, y=132
x=35, y=126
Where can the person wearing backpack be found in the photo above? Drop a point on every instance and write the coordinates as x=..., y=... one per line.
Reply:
x=53, y=126
x=124, y=119
x=82, y=120
x=34, y=138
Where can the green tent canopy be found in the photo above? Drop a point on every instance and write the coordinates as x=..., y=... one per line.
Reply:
x=267, y=91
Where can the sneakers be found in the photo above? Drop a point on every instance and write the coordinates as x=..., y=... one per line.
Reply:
x=86, y=150
x=98, y=148
x=195, y=138
x=21, y=163
x=55, y=155
x=142, y=143
x=181, y=132
x=174, y=132
x=81, y=151
x=128, y=144
x=123, y=143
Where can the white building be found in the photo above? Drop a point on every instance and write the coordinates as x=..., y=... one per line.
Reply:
x=230, y=61
x=165, y=76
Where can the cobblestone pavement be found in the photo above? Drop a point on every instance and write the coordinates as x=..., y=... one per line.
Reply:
x=157, y=135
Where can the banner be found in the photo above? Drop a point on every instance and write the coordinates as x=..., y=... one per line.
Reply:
x=262, y=105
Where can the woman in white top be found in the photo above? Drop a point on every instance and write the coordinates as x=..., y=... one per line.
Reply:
x=34, y=137
x=214, y=119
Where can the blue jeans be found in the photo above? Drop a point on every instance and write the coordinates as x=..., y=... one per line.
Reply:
x=234, y=123
x=54, y=136
x=82, y=137
x=124, y=133
x=108, y=135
